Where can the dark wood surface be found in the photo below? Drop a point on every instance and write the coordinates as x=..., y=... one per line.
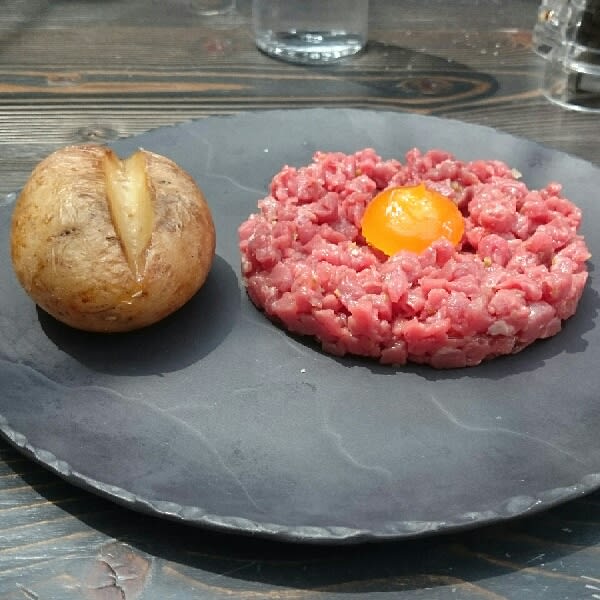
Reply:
x=77, y=70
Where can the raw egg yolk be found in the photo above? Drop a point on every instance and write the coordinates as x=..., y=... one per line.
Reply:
x=410, y=218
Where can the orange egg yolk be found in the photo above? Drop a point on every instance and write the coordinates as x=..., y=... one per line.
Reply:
x=410, y=218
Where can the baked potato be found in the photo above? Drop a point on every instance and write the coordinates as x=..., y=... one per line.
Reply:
x=104, y=244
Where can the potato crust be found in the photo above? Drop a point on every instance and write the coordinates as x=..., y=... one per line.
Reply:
x=69, y=259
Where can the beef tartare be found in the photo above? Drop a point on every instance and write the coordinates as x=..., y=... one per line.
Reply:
x=517, y=271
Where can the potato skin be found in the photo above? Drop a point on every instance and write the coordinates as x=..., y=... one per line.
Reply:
x=68, y=258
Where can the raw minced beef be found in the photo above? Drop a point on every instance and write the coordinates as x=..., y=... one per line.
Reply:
x=518, y=272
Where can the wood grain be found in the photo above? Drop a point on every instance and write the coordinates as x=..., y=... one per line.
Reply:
x=80, y=70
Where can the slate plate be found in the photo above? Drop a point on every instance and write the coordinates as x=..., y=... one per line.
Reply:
x=217, y=418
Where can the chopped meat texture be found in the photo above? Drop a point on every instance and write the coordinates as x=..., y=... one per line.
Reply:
x=518, y=272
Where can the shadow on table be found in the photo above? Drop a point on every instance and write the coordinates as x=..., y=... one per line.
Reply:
x=20, y=16
x=184, y=558
x=410, y=79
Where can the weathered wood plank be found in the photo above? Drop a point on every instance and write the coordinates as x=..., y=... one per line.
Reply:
x=77, y=70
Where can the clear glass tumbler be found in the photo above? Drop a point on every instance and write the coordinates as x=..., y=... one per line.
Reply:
x=211, y=8
x=549, y=30
x=567, y=35
x=310, y=31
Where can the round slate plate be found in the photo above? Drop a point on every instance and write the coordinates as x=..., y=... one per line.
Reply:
x=216, y=417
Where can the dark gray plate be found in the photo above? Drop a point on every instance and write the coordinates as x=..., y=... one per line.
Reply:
x=218, y=418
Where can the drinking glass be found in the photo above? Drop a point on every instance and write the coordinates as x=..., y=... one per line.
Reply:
x=213, y=7
x=567, y=35
x=310, y=31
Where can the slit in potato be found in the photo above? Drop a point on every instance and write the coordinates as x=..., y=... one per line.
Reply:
x=129, y=197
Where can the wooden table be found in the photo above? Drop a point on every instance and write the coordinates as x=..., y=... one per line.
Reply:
x=77, y=70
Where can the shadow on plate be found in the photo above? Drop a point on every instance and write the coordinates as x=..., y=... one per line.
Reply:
x=570, y=340
x=177, y=341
